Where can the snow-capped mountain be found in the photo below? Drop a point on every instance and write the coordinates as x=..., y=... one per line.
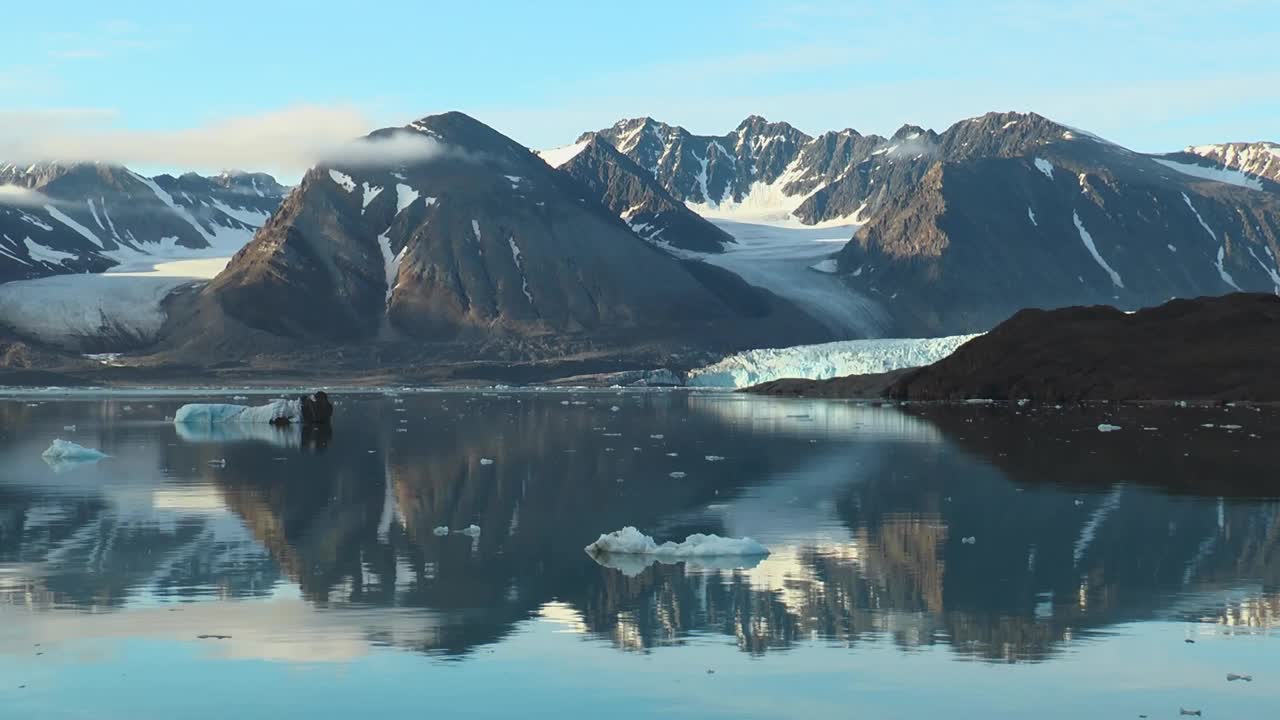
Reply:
x=85, y=217
x=1013, y=210
x=637, y=197
x=465, y=236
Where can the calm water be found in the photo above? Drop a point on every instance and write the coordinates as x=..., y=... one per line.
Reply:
x=966, y=562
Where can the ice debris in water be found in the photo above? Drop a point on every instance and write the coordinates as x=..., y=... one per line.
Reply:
x=471, y=531
x=66, y=450
x=69, y=428
x=657, y=437
x=677, y=475
x=219, y=463
x=1232, y=677
x=715, y=458
x=630, y=541
x=971, y=540
x=441, y=531
x=486, y=461
x=213, y=414
x=1105, y=427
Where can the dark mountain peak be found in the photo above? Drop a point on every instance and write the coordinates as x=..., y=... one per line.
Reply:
x=909, y=132
x=756, y=126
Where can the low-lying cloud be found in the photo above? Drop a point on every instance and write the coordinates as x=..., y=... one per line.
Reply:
x=18, y=196
x=395, y=150
x=285, y=142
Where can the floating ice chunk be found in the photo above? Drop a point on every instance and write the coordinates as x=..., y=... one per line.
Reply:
x=971, y=540
x=1232, y=677
x=714, y=458
x=441, y=531
x=630, y=541
x=486, y=461
x=219, y=463
x=66, y=450
x=657, y=437
x=471, y=531
x=677, y=475
x=615, y=408
x=69, y=428
x=1105, y=427
x=213, y=414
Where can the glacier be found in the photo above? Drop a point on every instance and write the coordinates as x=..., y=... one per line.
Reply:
x=823, y=361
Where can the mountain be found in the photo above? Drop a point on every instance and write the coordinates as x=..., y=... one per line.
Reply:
x=59, y=218
x=1013, y=210
x=637, y=197
x=760, y=170
x=1256, y=164
x=446, y=231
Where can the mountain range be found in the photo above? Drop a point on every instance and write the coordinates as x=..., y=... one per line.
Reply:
x=644, y=235
x=59, y=218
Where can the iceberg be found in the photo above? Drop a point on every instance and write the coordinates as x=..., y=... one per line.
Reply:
x=214, y=414
x=826, y=360
x=630, y=541
x=67, y=450
x=64, y=456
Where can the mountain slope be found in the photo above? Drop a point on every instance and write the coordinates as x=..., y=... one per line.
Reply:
x=1015, y=211
x=1258, y=162
x=86, y=217
x=637, y=197
x=463, y=236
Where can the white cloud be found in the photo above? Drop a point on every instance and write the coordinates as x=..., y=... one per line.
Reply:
x=393, y=150
x=285, y=141
x=16, y=195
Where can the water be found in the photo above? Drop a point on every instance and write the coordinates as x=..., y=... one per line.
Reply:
x=1093, y=559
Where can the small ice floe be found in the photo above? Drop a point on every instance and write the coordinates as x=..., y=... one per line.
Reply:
x=1184, y=711
x=1107, y=427
x=1231, y=427
x=620, y=480
x=673, y=454
x=615, y=408
x=657, y=437
x=472, y=531
x=971, y=540
x=219, y=463
x=1232, y=677
x=441, y=531
x=631, y=551
x=1079, y=502
x=1150, y=429
x=69, y=428
x=486, y=461
x=64, y=455
x=715, y=458
x=677, y=475
x=564, y=402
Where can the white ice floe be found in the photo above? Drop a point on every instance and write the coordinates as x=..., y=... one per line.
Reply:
x=66, y=450
x=826, y=360
x=486, y=461
x=630, y=541
x=471, y=531
x=213, y=414
x=1107, y=427
x=441, y=531
x=1087, y=239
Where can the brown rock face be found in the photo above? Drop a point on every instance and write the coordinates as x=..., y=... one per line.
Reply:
x=1219, y=348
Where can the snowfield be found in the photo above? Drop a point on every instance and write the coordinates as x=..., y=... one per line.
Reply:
x=828, y=360
x=1219, y=174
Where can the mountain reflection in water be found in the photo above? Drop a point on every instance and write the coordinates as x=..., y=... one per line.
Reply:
x=1004, y=534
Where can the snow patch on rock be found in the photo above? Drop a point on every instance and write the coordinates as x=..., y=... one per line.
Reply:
x=1087, y=239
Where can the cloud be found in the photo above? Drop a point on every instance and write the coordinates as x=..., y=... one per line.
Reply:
x=393, y=150
x=286, y=141
x=18, y=196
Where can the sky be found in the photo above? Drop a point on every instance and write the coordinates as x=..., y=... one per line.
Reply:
x=273, y=85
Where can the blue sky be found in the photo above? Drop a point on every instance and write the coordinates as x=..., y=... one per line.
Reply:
x=274, y=80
